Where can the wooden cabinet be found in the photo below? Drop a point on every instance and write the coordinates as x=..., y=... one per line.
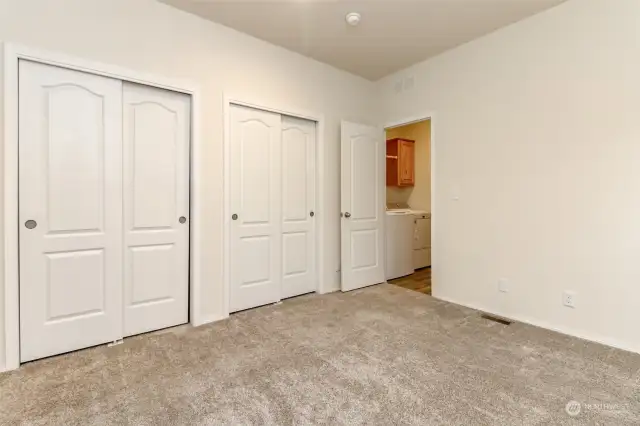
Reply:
x=400, y=162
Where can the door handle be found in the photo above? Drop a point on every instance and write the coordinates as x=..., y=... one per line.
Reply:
x=347, y=215
x=234, y=217
x=182, y=219
x=30, y=224
x=312, y=214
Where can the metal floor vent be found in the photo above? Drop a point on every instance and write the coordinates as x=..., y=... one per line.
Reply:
x=496, y=319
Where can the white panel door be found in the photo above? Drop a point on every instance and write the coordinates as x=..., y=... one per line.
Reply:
x=156, y=208
x=298, y=205
x=70, y=210
x=363, y=200
x=255, y=203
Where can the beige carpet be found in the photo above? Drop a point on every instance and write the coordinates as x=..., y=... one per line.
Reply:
x=379, y=356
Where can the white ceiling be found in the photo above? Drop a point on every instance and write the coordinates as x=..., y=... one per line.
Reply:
x=393, y=34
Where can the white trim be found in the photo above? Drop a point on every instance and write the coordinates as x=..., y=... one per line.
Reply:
x=409, y=120
x=12, y=54
x=321, y=284
x=10, y=154
x=432, y=161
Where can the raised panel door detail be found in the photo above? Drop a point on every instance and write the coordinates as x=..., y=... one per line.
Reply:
x=153, y=274
x=255, y=196
x=404, y=161
x=364, y=249
x=364, y=172
x=256, y=251
x=362, y=195
x=256, y=179
x=294, y=174
x=298, y=202
x=75, y=163
x=406, y=158
x=70, y=183
x=75, y=284
x=156, y=194
x=154, y=142
x=295, y=246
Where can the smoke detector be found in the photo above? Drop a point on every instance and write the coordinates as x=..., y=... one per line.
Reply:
x=353, y=18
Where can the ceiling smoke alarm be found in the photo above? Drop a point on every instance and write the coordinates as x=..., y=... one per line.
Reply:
x=353, y=18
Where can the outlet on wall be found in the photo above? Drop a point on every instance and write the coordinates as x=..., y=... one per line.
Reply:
x=503, y=285
x=569, y=299
x=455, y=192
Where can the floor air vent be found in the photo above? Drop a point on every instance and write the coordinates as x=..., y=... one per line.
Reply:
x=496, y=319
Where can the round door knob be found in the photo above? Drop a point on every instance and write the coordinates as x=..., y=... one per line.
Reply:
x=347, y=215
x=234, y=217
x=30, y=224
x=182, y=219
x=312, y=214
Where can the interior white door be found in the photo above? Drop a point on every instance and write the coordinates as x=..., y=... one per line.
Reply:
x=362, y=200
x=156, y=208
x=298, y=206
x=70, y=210
x=255, y=204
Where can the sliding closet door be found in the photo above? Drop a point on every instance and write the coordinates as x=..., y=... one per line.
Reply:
x=70, y=210
x=156, y=208
x=298, y=205
x=255, y=202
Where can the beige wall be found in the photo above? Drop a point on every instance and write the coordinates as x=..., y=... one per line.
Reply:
x=537, y=132
x=418, y=196
x=147, y=36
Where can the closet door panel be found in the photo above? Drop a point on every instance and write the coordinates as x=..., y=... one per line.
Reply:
x=255, y=202
x=156, y=182
x=70, y=210
x=298, y=206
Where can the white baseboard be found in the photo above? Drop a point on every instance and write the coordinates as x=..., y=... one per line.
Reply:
x=329, y=290
x=210, y=318
x=581, y=334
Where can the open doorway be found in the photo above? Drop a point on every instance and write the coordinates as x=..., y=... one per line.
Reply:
x=408, y=202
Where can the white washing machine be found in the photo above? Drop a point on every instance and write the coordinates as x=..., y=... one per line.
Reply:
x=399, y=246
x=421, y=239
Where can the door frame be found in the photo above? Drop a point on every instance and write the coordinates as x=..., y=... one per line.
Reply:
x=13, y=53
x=275, y=107
x=427, y=115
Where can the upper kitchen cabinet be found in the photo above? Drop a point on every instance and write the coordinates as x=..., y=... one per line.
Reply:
x=400, y=162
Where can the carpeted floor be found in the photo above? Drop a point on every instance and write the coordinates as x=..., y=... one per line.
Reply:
x=378, y=356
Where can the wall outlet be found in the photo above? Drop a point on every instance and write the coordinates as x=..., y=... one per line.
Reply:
x=503, y=285
x=455, y=192
x=569, y=299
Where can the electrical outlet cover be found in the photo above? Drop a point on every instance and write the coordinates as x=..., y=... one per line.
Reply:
x=569, y=299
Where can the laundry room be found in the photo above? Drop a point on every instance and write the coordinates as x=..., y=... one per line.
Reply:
x=408, y=203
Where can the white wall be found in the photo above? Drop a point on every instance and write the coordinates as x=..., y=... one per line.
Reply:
x=538, y=126
x=150, y=37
